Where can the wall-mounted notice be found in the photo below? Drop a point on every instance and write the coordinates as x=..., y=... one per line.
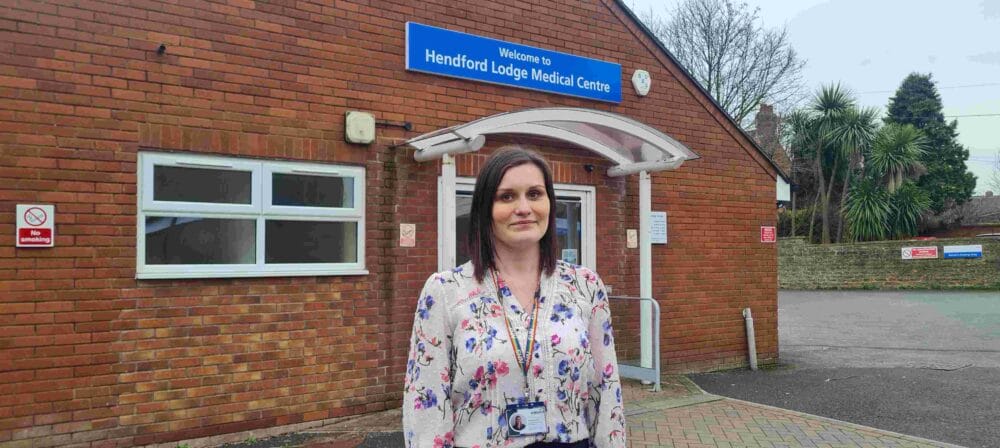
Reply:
x=407, y=235
x=970, y=251
x=658, y=227
x=768, y=234
x=459, y=55
x=919, y=253
x=35, y=225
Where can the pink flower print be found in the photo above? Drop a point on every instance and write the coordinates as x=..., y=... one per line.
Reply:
x=555, y=339
x=444, y=442
x=465, y=324
x=495, y=310
x=609, y=370
x=479, y=374
x=445, y=377
x=589, y=276
x=536, y=370
x=502, y=368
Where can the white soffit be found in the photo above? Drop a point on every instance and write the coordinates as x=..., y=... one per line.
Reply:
x=631, y=145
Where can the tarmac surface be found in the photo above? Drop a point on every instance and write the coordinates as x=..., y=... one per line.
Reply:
x=914, y=362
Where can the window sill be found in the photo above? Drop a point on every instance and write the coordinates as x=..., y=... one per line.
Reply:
x=248, y=274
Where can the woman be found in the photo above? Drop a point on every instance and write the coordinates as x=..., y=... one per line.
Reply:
x=514, y=330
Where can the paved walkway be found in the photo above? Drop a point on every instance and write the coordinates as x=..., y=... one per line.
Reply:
x=679, y=416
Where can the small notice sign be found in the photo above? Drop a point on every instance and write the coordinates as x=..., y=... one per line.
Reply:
x=969, y=251
x=658, y=227
x=35, y=225
x=631, y=238
x=407, y=235
x=919, y=253
x=768, y=234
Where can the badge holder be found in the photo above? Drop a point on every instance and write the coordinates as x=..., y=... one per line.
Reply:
x=526, y=419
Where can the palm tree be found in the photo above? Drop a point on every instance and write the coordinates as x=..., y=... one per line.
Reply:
x=855, y=131
x=885, y=204
x=828, y=132
x=867, y=211
x=909, y=202
x=896, y=153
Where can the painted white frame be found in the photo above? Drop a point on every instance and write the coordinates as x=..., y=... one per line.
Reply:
x=260, y=210
x=447, y=237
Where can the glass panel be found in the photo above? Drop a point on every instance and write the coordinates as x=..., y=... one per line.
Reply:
x=312, y=191
x=463, y=209
x=310, y=242
x=569, y=229
x=182, y=184
x=176, y=240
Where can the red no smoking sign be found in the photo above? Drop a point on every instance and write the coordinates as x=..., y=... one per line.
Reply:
x=35, y=225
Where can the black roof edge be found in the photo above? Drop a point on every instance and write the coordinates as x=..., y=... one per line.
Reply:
x=649, y=33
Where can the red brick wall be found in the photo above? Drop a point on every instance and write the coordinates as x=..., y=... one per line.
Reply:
x=91, y=356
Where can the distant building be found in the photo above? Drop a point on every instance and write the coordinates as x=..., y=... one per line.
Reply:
x=981, y=214
x=766, y=134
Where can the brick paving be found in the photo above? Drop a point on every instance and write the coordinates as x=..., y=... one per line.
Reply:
x=678, y=416
x=682, y=416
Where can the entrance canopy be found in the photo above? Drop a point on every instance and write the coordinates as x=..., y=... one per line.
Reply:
x=633, y=146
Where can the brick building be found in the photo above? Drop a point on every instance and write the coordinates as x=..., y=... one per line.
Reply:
x=224, y=260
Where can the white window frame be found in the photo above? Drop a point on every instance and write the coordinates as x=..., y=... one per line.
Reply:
x=586, y=193
x=259, y=210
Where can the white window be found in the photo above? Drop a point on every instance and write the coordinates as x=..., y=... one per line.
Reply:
x=204, y=216
x=575, y=223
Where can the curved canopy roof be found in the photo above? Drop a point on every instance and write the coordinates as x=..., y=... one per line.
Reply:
x=633, y=146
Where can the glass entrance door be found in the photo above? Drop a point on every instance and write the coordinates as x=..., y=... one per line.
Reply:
x=575, y=223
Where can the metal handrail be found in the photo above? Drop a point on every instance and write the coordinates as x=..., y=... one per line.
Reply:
x=639, y=372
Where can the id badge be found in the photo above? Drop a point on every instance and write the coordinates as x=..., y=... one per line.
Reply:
x=526, y=419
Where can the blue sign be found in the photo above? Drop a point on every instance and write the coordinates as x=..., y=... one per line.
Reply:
x=970, y=251
x=450, y=53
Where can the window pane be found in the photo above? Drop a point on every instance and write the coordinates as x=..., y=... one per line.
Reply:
x=569, y=229
x=181, y=184
x=312, y=191
x=310, y=242
x=463, y=207
x=175, y=240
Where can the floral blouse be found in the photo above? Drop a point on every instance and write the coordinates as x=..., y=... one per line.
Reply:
x=462, y=371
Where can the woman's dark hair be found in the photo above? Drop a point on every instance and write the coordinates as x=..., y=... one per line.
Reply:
x=482, y=242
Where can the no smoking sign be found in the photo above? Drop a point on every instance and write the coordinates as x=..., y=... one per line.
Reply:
x=35, y=225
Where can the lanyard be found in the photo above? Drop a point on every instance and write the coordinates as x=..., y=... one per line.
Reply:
x=523, y=357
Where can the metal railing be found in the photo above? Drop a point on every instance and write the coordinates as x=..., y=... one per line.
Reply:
x=650, y=374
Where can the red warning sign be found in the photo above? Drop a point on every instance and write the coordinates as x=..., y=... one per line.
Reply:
x=35, y=225
x=768, y=234
x=34, y=237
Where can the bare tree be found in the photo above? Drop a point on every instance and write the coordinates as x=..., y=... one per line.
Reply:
x=727, y=50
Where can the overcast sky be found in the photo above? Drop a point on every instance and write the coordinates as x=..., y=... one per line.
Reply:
x=871, y=45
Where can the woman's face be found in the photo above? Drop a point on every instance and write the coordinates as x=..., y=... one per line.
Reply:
x=521, y=207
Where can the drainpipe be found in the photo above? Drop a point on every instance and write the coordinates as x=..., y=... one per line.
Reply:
x=751, y=340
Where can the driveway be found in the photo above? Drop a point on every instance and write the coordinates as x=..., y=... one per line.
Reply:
x=914, y=362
